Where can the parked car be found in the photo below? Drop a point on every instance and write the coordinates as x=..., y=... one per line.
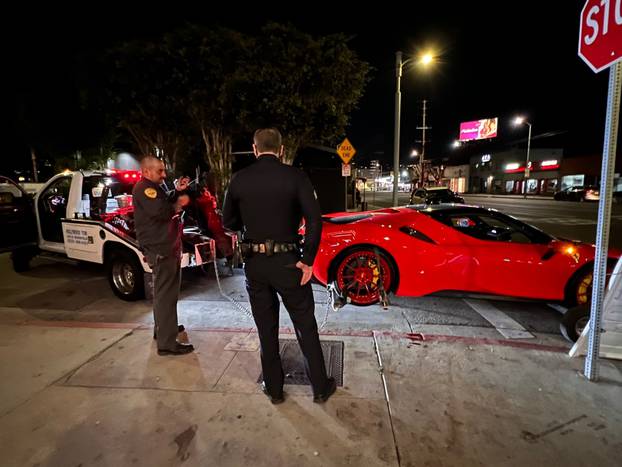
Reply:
x=578, y=193
x=17, y=219
x=419, y=250
x=434, y=195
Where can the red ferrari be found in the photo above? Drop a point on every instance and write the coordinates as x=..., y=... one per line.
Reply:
x=419, y=250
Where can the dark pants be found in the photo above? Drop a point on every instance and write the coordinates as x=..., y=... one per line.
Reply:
x=267, y=276
x=166, y=284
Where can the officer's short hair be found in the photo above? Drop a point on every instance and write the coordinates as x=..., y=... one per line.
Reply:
x=268, y=140
x=149, y=161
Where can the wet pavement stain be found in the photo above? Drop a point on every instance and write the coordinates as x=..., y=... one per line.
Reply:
x=183, y=441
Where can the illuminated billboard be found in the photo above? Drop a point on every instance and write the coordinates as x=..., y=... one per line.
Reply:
x=478, y=129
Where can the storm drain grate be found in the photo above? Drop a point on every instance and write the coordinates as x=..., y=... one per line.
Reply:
x=294, y=367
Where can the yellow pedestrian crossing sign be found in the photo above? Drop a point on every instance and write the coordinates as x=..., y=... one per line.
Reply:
x=346, y=151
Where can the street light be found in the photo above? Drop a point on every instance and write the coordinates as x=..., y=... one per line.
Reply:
x=425, y=59
x=520, y=121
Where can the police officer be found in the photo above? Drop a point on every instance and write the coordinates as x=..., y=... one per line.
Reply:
x=158, y=231
x=267, y=201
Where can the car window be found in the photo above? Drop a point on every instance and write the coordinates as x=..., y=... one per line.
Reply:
x=6, y=197
x=500, y=230
x=10, y=189
x=485, y=227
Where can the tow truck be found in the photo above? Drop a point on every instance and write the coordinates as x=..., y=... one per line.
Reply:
x=89, y=216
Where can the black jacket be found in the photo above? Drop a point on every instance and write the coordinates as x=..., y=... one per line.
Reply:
x=157, y=228
x=268, y=200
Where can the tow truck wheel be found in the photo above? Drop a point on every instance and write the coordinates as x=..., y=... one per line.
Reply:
x=21, y=259
x=125, y=275
x=574, y=321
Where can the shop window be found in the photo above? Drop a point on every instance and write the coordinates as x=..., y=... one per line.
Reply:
x=532, y=185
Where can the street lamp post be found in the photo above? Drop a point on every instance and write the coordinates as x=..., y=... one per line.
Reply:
x=399, y=65
x=520, y=121
x=396, y=135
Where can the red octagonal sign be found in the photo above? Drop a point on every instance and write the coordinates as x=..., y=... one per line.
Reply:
x=600, y=33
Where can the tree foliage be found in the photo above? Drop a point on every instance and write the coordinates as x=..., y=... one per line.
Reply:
x=305, y=86
x=215, y=85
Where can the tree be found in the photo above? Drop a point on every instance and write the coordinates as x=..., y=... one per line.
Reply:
x=207, y=63
x=304, y=86
x=145, y=94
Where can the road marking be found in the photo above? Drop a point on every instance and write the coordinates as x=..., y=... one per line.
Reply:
x=509, y=328
x=557, y=307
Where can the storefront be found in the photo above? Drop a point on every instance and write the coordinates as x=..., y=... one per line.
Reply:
x=456, y=178
x=585, y=171
x=504, y=172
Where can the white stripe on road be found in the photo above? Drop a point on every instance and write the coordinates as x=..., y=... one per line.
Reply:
x=557, y=307
x=509, y=328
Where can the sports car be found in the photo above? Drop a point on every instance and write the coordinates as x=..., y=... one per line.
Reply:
x=420, y=249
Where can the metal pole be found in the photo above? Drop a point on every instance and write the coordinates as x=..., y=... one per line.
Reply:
x=604, y=218
x=527, y=161
x=422, y=145
x=33, y=156
x=396, y=135
x=345, y=191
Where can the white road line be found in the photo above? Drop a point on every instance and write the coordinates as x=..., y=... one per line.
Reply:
x=558, y=307
x=509, y=328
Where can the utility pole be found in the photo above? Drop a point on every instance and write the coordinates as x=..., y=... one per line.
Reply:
x=423, y=141
x=34, y=164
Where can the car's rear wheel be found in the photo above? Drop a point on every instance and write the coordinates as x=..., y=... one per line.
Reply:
x=126, y=276
x=574, y=321
x=360, y=274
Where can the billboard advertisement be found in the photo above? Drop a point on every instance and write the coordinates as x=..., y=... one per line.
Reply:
x=478, y=129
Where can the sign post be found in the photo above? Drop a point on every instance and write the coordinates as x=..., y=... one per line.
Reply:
x=600, y=36
x=346, y=151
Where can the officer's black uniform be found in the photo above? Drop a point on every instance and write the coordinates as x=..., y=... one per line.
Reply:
x=158, y=232
x=268, y=200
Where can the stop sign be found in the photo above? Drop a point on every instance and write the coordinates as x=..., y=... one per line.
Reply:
x=600, y=33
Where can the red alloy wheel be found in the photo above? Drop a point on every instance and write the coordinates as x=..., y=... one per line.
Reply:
x=358, y=276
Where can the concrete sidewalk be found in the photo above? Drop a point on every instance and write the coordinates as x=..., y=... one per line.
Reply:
x=98, y=394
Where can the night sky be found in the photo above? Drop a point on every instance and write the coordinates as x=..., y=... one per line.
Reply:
x=496, y=59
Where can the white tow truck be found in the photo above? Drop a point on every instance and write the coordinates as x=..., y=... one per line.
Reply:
x=88, y=216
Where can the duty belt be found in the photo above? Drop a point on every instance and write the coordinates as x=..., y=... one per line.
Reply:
x=269, y=247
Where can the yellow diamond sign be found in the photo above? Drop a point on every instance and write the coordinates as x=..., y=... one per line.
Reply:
x=346, y=151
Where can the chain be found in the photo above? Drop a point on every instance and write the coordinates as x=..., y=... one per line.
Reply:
x=236, y=304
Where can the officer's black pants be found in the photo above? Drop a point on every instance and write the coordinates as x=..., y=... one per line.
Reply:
x=166, y=284
x=265, y=277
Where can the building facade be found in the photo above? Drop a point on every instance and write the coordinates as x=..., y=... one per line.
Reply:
x=504, y=172
x=456, y=177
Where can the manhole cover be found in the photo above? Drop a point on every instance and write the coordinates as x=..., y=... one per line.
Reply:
x=294, y=367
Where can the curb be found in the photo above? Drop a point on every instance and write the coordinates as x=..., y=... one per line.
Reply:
x=414, y=337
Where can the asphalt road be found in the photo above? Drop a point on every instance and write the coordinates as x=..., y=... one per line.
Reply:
x=70, y=291
x=566, y=219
